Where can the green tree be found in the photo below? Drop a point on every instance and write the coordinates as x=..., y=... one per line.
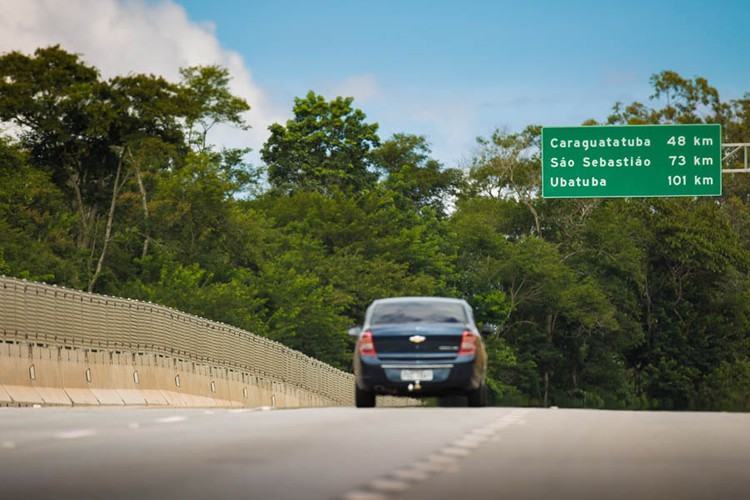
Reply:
x=35, y=222
x=365, y=246
x=61, y=107
x=418, y=179
x=695, y=317
x=325, y=146
x=685, y=101
x=207, y=101
x=508, y=166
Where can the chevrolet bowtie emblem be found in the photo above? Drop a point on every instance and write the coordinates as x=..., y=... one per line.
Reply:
x=417, y=339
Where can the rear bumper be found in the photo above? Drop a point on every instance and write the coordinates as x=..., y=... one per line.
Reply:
x=454, y=377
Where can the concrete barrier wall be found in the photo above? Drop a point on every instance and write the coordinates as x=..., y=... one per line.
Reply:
x=65, y=347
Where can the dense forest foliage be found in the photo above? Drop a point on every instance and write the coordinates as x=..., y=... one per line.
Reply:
x=113, y=186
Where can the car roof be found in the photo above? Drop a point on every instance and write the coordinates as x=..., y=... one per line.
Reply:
x=391, y=300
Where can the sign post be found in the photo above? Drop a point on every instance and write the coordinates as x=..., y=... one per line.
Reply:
x=631, y=161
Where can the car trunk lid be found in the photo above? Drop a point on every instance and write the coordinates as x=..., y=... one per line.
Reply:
x=418, y=341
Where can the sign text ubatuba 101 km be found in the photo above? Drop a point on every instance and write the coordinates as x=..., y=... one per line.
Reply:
x=631, y=161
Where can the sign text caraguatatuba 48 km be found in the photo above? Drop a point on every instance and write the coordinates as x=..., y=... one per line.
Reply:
x=631, y=161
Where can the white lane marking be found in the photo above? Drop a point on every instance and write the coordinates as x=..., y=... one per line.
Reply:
x=238, y=410
x=7, y=445
x=36, y=406
x=363, y=495
x=456, y=452
x=441, y=459
x=80, y=433
x=171, y=420
x=446, y=460
x=428, y=466
x=208, y=412
x=498, y=427
x=467, y=443
x=265, y=408
x=483, y=431
x=134, y=425
x=388, y=485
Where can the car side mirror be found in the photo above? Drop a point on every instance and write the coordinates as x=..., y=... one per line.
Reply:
x=488, y=329
x=355, y=331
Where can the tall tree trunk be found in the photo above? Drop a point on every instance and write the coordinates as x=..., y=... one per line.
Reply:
x=92, y=249
x=110, y=218
x=535, y=215
x=82, y=226
x=551, y=318
x=86, y=216
x=144, y=205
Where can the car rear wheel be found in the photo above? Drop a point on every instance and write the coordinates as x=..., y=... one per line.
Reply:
x=363, y=399
x=478, y=397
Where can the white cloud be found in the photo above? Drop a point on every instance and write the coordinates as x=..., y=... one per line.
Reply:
x=449, y=121
x=362, y=87
x=136, y=36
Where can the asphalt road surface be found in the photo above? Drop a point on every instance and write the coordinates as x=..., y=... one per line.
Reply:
x=374, y=454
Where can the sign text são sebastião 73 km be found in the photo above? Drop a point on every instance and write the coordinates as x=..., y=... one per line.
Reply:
x=631, y=161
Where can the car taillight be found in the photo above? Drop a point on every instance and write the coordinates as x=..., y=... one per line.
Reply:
x=468, y=344
x=366, y=345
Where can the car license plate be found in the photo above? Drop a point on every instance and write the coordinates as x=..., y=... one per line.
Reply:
x=414, y=375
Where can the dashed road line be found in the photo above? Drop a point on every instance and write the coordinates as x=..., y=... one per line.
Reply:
x=363, y=495
x=439, y=458
x=414, y=474
x=445, y=460
x=484, y=431
x=388, y=485
x=171, y=420
x=470, y=442
x=427, y=467
x=76, y=434
x=7, y=445
x=456, y=452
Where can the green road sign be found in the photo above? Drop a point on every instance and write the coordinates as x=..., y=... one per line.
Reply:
x=631, y=160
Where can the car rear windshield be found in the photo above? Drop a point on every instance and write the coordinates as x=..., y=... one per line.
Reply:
x=418, y=312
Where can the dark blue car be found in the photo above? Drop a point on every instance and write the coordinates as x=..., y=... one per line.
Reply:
x=419, y=347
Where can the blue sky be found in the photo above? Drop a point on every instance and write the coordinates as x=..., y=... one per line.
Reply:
x=456, y=70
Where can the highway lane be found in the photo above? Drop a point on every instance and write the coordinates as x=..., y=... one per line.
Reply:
x=377, y=454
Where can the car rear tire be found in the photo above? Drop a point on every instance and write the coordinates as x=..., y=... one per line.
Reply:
x=363, y=399
x=478, y=397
